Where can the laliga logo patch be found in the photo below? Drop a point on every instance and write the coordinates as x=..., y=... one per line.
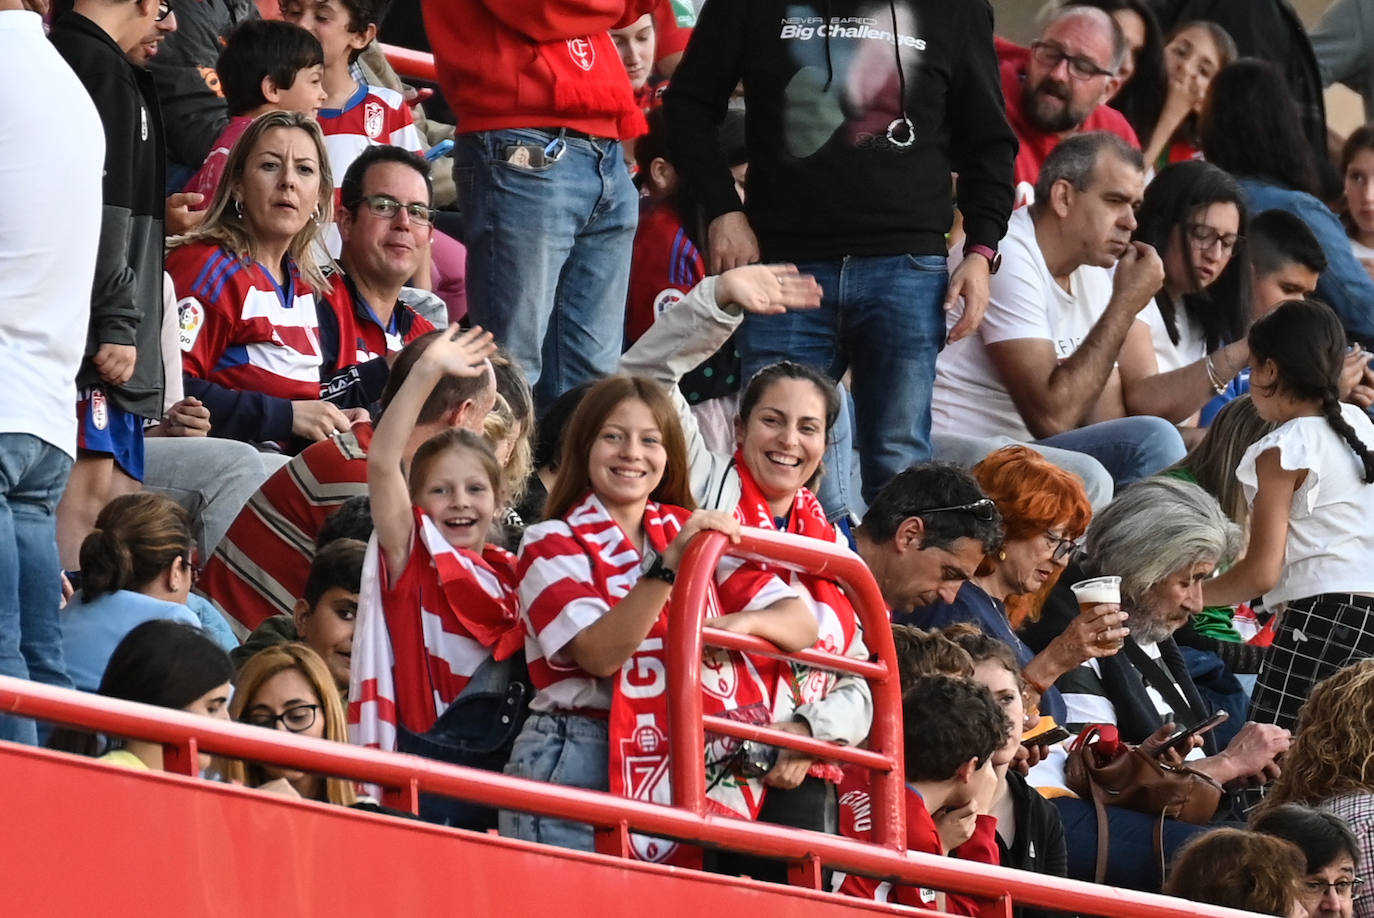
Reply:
x=100, y=415
x=190, y=317
x=372, y=119
x=582, y=52
x=666, y=298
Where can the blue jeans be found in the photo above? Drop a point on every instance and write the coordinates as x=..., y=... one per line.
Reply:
x=1128, y=448
x=882, y=316
x=567, y=749
x=33, y=475
x=548, y=252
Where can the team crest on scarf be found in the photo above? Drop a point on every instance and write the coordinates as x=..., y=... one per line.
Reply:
x=639, y=751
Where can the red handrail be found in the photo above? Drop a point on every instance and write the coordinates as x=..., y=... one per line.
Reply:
x=415, y=65
x=189, y=733
x=687, y=725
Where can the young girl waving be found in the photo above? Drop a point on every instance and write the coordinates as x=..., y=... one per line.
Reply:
x=436, y=601
x=1311, y=551
x=594, y=580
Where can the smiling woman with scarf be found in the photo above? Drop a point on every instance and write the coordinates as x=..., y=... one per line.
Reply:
x=594, y=581
x=786, y=413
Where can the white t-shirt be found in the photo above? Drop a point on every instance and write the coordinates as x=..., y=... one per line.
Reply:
x=1361, y=251
x=1330, y=539
x=1192, y=344
x=49, y=229
x=1024, y=301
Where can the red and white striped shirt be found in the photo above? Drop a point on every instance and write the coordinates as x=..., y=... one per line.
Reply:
x=418, y=641
x=563, y=589
x=373, y=115
x=242, y=330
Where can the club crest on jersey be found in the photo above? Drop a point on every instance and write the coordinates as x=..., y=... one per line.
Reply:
x=582, y=52
x=373, y=115
x=190, y=317
x=100, y=414
x=718, y=674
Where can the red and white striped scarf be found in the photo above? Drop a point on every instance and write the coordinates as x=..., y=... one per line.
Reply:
x=638, y=725
x=414, y=653
x=838, y=623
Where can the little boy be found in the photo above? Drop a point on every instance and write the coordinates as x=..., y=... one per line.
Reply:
x=951, y=728
x=324, y=616
x=355, y=114
x=266, y=66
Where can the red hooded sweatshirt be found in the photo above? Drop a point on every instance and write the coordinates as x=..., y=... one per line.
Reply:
x=535, y=63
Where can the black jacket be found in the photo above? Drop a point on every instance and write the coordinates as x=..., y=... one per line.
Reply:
x=126, y=299
x=1039, y=845
x=828, y=176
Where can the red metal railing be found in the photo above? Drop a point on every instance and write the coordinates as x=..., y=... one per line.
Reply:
x=187, y=734
x=687, y=730
x=408, y=64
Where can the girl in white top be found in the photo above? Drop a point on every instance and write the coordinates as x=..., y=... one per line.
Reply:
x=1311, y=551
x=1357, y=165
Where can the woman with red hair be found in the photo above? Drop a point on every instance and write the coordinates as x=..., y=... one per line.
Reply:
x=1044, y=512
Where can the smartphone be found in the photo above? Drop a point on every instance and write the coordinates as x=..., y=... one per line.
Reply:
x=439, y=149
x=1050, y=737
x=1180, y=738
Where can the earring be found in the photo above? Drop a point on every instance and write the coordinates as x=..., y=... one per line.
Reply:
x=238, y=208
x=1001, y=555
x=318, y=215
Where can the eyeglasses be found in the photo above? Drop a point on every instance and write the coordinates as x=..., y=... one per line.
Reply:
x=297, y=719
x=1048, y=55
x=983, y=509
x=1203, y=237
x=1063, y=545
x=387, y=207
x=164, y=9
x=1346, y=889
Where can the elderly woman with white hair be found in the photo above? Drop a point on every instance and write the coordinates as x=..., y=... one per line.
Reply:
x=1163, y=537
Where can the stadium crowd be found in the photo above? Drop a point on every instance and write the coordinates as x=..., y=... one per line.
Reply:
x=394, y=411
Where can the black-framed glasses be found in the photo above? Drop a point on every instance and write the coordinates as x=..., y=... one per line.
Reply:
x=982, y=509
x=1064, y=546
x=387, y=207
x=1048, y=55
x=297, y=719
x=164, y=9
x=1346, y=889
x=1204, y=237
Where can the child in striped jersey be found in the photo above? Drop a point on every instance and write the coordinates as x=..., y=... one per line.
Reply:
x=436, y=600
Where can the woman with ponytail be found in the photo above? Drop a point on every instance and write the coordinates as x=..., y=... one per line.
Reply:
x=135, y=567
x=1311, y=551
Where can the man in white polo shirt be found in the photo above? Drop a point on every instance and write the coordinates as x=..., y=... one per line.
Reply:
x=1042, y=367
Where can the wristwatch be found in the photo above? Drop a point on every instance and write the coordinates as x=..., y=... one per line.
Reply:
x=993, y=256
x=657, y=570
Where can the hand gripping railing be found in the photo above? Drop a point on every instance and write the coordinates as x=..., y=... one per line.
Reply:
x=687, y=725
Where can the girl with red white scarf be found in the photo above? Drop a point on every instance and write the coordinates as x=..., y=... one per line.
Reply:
x=593, y=583
x=437, y=601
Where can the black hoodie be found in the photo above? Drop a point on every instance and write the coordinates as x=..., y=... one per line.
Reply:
x=833, y=170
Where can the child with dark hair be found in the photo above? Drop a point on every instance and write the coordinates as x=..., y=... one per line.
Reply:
x=1308, y=484
x=266, y=66
x=324, y=616
x=951, y=729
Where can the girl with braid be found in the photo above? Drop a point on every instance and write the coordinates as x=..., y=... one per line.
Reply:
x=1311, y=551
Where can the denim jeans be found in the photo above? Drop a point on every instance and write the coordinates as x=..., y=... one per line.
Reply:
x=1128, y=448
x=966, y=452
x=549, y=253
x=33, y=475
x=881, y=316
x=567, y=749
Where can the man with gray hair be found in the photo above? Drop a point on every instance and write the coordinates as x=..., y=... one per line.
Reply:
x=1163, y=537
x=1042, y=366
x=1062, y=86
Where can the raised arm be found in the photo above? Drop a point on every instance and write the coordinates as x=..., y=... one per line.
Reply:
x=453, y=353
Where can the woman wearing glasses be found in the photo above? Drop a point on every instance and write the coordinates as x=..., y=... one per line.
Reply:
x=1044, y=511
x=246, y=281
x=288, y=687
x=1328, y=767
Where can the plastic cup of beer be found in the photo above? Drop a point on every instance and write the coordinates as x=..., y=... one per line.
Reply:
x=1095, y=592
